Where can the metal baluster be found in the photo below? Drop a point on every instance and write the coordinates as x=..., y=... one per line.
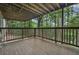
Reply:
x=68, y=35
x=34, y=33
x=76, y=36
x=55, y=35
x=6, y=34
x=73, y=37
x=64, y=35
x=11, y=34
x=42, y=33
x=22, y=33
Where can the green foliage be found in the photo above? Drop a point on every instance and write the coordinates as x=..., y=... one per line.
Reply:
x=53, y=19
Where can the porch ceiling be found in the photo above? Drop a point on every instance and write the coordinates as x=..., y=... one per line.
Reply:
x=26, y=11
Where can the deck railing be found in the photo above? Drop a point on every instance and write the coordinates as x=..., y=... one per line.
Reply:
x=67, y=35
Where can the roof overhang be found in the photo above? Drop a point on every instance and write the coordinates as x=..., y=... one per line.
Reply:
x=26, y=11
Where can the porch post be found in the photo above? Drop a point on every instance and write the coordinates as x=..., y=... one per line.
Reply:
x=39, y=22
x=3, y=31
x=62, y=23
x=0, y=27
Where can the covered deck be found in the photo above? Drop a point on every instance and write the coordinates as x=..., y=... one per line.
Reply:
x=27, y=29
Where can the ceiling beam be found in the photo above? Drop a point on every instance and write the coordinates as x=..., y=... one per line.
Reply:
x=58, y=5
x=43, y=6
x=50, y=6
x=30, y=7
x=25, y=8
x=37, y=7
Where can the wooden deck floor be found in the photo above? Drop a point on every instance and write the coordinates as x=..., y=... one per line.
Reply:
x=37, y=46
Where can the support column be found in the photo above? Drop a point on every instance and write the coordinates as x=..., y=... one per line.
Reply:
x=3, y=33
x=39, y=19
x=62, y=23
x=0, y=29
x=4, y=30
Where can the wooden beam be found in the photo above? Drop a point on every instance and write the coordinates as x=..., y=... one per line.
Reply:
x=55, y=6
x=58, y=5
x=43, y=6
x=50, y=6
x=31, y=8
x=37, y=7
x=25, y=8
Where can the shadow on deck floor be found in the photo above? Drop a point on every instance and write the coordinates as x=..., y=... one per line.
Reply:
x=37, y=46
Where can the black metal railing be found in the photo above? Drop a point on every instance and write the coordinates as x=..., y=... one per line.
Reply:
x=67, y=35
x=8, y=34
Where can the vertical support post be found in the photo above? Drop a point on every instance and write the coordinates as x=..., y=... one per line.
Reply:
x=55, y=30
x=46, y=23
x=67, y=26
x=50, y=30
x=42, y=29
x=24, y=29
x=29, y=23
x=1, y=36
x=39, y=21
x=55, y=35
x=4, y=30
x=29, y=29
x=46, y=30
x=62, y=22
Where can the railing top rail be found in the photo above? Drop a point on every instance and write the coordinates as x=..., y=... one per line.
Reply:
x=40, y=28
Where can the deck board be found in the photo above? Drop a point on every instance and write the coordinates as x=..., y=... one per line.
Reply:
x=37, y=46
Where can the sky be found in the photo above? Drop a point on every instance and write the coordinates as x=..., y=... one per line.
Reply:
x=76, y=8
